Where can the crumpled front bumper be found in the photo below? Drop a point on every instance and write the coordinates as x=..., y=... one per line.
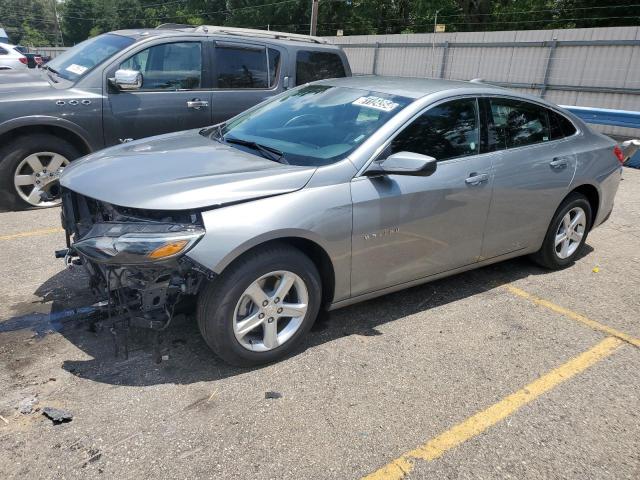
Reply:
x=145, y=294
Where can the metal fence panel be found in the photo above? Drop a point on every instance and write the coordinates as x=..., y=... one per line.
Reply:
x=598, y=67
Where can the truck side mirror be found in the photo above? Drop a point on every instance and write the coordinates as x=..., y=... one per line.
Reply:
x=127, y=79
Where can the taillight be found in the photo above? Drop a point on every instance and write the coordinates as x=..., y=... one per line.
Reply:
x=617, y=151
x=22, y=60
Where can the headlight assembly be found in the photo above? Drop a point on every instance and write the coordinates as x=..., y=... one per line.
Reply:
x=137, y=243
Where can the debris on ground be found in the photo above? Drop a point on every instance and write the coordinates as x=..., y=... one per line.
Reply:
x=4, y=419
x=57, y=415
x=596, y=269
x=272, y=395
x=165, y=358
x=27, y=405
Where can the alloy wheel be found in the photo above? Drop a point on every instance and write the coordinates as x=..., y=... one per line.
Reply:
x=570, y=232
x=37, y=174
x=270, y=311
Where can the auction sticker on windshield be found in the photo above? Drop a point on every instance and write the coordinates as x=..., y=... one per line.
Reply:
x=376, y=102
x=77, y=69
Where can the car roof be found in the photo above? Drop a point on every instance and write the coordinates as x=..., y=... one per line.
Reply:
x=408, y=86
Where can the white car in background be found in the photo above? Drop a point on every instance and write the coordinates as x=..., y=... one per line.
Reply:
x=11, y=58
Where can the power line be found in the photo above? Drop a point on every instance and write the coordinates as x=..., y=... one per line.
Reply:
x=186, y=14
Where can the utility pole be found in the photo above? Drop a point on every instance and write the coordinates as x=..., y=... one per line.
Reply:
x=314, y=17
x=55, y=15
x=433, y=46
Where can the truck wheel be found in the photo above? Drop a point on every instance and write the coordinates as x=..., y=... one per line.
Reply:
x=259, y=309
x=29, y=166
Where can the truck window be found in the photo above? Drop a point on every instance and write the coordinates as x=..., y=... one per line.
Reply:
x=170, y=66
x=274, y=66
x=313, y=65
x=241, y=68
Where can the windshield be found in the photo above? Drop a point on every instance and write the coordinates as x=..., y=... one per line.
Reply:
x=314, y=125
x=81, y=59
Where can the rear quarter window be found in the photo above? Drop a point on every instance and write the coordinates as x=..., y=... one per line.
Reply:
x=3, y=51
x=560, y=126
x=313, y=65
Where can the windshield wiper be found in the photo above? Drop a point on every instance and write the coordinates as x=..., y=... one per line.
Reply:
x=47, y=67
x=267, y=152
x=210, y=131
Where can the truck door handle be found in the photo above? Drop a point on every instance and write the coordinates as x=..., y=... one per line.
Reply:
x=559, y=163
x=197, y=104
x=477, y=178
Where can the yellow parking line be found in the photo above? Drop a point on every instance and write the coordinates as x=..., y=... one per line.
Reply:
x=574, y=316
x=481, y=421
x=32, y=233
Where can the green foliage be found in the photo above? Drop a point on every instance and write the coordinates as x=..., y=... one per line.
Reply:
x=34, y=22
x=28, y=22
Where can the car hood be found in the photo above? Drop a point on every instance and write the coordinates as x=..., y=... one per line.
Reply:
x=32, y=81
x=180, y=171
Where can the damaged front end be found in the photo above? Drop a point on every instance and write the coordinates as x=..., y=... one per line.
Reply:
x=135, y=258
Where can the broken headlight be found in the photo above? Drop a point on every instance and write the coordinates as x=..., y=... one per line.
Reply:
x=137, y=243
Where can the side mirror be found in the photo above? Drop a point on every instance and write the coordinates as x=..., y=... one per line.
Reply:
x=127, y=80
x=404, y=163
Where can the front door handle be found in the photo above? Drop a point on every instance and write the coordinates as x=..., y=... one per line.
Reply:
x=477, y=178
x=197, y=104
x=559, y=163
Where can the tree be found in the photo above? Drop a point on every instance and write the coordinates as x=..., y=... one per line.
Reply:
x=34, y=21
x=29, y=22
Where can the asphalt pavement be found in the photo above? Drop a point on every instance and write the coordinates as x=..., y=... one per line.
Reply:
x=509, y=371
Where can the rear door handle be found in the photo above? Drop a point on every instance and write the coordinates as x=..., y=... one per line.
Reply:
x=197, y=104
x=559, y=163
x=477, y=178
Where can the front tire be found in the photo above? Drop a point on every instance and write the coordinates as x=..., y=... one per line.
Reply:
x=259, y=309
x=567, y=233
x=31, y=165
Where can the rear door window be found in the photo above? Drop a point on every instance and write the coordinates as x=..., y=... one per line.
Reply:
x=170, y=66
x=241, y=67
x=312, y=66
x=446, y=131
x=516, y=123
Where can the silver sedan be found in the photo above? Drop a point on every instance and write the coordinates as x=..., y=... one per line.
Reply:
x=329, y=194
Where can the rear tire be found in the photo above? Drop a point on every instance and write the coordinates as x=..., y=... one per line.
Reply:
x=567, y=233
x=268, y=334
x=16, y=171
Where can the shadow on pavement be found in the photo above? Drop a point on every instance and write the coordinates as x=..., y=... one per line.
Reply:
x=189, y=358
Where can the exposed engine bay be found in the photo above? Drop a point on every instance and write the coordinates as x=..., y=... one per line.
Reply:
x=134, y=259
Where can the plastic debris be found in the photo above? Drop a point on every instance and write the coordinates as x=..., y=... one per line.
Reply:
x=272, y=395
x=57, y=415
x=596, y=269
x=27, y=404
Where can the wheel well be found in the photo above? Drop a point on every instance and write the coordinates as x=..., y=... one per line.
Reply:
x=592, y=195
x=317, y=255
x=63, y=133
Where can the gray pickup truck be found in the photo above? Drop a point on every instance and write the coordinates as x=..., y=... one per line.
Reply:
x=131, y=84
